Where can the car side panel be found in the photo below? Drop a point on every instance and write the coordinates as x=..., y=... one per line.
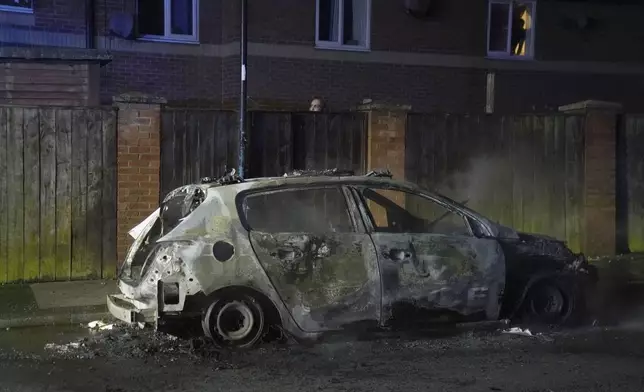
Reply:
x=327, y=281
x=438, y=273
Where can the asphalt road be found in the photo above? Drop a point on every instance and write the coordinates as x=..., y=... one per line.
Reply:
x=126, y=360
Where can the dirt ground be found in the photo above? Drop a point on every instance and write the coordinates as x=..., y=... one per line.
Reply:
x=128, y=360
x=607, y=356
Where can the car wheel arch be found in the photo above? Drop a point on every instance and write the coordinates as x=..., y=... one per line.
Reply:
x=269, y=307
x=532, y=282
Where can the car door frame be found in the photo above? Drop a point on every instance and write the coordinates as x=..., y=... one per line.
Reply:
x=469, y=220
x=370, y=264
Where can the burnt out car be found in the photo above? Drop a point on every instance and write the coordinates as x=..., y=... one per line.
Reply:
x=314, y=253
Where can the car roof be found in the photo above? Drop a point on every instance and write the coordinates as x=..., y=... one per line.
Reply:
x=315, y=180
x=259, y=183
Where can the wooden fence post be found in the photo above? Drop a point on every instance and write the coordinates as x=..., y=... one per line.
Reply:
x=599, y=184
x=138, y=157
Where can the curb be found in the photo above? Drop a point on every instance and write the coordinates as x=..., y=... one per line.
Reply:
x=53, y=319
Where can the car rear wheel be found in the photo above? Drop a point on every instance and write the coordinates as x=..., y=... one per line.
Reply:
x=235, y=321
x=549, y=302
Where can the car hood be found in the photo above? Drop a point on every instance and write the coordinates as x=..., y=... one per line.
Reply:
x=520, y=245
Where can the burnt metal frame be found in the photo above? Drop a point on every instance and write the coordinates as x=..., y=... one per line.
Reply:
x=350, y=207
x=368, y=217
x=363, y=181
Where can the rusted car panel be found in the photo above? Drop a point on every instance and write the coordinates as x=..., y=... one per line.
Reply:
x=200, y=244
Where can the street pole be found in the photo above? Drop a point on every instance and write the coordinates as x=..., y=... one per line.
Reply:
x=243, y=92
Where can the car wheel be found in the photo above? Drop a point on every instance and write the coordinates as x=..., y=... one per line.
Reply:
x=234, y=321
x=548, y=302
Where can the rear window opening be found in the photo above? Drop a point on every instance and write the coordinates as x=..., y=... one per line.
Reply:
x=298, y=210
x=173, y=210
x=179, y=206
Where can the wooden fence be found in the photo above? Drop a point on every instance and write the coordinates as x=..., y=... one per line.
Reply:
x=631, y=180
x=198, y=143
x=57, y=194
x=282, y=142
x=522, y=171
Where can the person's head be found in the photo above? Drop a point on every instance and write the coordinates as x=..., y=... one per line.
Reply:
x=316, y=105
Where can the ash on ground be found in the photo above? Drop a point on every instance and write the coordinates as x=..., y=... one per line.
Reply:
x=122, y=341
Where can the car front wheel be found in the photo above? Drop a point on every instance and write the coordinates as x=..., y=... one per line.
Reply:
x=235, y=321
x=552, y=302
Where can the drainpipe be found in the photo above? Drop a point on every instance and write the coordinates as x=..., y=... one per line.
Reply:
x=243, y=92
x=90, y=23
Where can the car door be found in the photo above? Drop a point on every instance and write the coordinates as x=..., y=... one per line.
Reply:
x=321, y=262
x=431, y=263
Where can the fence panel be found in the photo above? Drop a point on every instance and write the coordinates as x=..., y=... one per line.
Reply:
x=57, y=194
x=633, y=127
x=522, y=171
x=196, y=143
x=281, y=142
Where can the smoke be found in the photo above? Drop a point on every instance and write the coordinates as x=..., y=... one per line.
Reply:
x=619, y=297
x=482, y=178
x=526, y=195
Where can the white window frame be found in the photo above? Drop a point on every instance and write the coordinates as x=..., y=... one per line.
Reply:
x=20, y=10
x=530, y=42
x=178, y=38
x=338, y=45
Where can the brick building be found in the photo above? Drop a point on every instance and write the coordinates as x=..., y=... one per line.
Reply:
x=451, y=55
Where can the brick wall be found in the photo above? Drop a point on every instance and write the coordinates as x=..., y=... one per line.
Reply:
x=386, y=127
x=138, y=160
x=454, y=28
x=599, y=185
x=179, y=78
x=457, y=27
x=344, y=84
x=518, y=92
x=615, y=34
x=65, y=16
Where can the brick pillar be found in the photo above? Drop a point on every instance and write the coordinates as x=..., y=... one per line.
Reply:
x=599, y=201
x=386, y=128
x=139, y=157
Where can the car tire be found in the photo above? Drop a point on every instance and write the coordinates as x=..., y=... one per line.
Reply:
x=234, y=321
x=552, y=301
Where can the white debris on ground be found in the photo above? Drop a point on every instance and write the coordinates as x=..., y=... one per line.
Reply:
x=526, y=332
x=100, y=326
x=62, y=348
x=519, y=331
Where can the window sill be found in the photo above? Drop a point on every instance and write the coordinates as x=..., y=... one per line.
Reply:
x=17, y=10
x=344, y=48
x=508, y=57
x=9, y=18
x=168, y=40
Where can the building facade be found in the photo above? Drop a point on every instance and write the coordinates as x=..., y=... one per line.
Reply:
x=461, y=56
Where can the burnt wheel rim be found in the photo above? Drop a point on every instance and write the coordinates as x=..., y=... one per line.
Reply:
x=547, y=302
x=235, y=321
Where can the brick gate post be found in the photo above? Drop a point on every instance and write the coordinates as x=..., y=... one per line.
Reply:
x=599, y=230
x=138, y=161
x=386, y=129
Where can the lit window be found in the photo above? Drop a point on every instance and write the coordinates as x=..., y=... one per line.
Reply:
x=343, y=24
x=511, y=28
x=168, y=20
x=25, y=6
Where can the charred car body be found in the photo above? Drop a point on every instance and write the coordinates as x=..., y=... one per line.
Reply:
x=318, y=253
